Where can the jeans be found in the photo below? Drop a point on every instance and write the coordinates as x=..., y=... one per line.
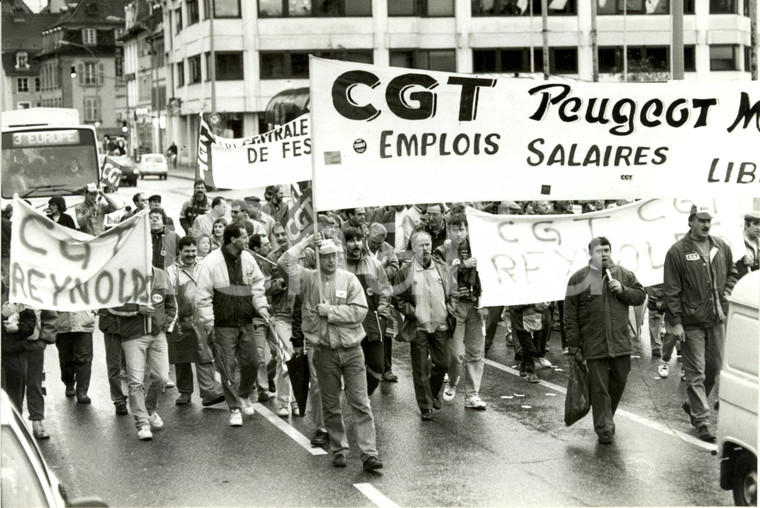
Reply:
x=149, y=352
x=466, y=348
x=238, y=344
x=14, y=378
x=116, y=382
x=35, y=366
x=208, y=386
x=348, y=363
x=267, y=359
x=607, y=378
x=284, y=328
x=655, y=318
x=375, y=362
x=702, y=358
x=75, y=358
x=314, y=400
x=427, y=380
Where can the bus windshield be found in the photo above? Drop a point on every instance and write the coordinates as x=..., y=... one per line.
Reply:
x=48, y=161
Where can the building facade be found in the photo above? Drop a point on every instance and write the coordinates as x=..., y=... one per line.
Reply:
x=261, y=48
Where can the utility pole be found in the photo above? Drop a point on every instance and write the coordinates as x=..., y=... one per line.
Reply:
x=594, y=45
x=677, y=45
x=212, y=57
x=545, y=35
x=753, y=39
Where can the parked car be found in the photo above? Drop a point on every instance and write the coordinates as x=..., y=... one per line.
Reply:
x=26, y=478
x=737, y=419
x=153, y=164
x=127, y=167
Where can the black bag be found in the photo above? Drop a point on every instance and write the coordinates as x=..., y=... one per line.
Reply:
x=577, y=399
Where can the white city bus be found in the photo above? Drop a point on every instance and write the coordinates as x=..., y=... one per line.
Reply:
x=47, y=152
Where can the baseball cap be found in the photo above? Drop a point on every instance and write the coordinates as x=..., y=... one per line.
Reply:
x=752, y=215
x=702, y=211
x=91, y=187
x=328, y=247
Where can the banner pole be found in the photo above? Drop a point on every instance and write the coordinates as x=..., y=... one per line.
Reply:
x=314, y=188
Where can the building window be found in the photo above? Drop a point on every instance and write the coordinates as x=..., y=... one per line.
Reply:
x=689, y=59
x=295, y=64
x=22, y=84
x=561, y=60
x=180, y=73
x=22, y=60
x=315, y=8
x=724, y=57
x=37, y=85
x=89, y=36
x=222, y=8
x=639, y=7
x=194, y=63
x=229, y=66
x=89, y=74
x=641, y=60
x=192, y=12
x=747, y=58
x=144, y=86
x=91, y=109
x=724, y=7
x=178, y=20
x=428, y=59
x=523, y=7
x=423, y=8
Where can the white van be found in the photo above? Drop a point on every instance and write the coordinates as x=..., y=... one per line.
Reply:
x=737, y=419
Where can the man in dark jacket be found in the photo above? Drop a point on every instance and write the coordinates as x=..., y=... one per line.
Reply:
x=194, y=207
x=699, y=275
x=427, y=301
x=164, y=241
x=596, y=317
x=143, y=329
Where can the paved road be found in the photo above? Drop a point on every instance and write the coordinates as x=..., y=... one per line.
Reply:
x=518, y=452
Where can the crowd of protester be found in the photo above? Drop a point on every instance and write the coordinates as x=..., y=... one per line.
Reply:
x=232, y=296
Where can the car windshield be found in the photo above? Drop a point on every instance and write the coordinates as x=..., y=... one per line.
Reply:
x=20, y=484
x=153, y=159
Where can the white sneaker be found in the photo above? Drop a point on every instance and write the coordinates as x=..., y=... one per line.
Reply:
x=283, y=411
x=449, y=393
x=546, y=364
x=474, y=402
x=170, y=384
x=294, y=410
x=236, y=419
x=663, y=370
x=144, y=433
x=155, y=421
x=246, y=406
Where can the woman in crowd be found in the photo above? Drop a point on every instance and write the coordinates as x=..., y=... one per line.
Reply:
x=57, y=207
x=203, y=244
x=217, y=233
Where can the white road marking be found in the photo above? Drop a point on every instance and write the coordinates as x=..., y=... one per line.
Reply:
x=622, y=412
x=375, y=495
x=287, y=429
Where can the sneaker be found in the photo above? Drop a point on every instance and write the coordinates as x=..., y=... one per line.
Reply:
x=531, y=377
x=144, y=433
x=283, y=411
x=82, y=398
x=319, y=438
x=121, y=408
x=523, y=370
x=156, y=422
x=449, y=393
x=605, y=437
x=663, y=370
x=236, y=419
x=372, y=463
x=184, y=398
x=546, y=364
x=246, y=406
x=216, y=399
x=170, y=384
x=339, y=460
x=294, y=409
x=39, y=431
x=427, y=414
x=704, y=433
x=390, y=377
x=436, y=403
x=71, y=390
x=475, y=402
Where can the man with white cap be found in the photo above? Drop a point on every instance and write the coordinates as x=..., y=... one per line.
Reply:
x=334, y=307
x=750, y=261
x=92, y=211
x=699, y=275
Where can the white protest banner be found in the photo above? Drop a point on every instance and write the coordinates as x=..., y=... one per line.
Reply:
x=529, y=258
x=57, y=268
x=384, y=135
x=278, y=156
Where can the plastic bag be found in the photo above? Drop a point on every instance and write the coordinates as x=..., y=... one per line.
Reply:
x=577, y=399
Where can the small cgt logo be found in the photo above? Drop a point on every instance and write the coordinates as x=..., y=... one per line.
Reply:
x=360, y=146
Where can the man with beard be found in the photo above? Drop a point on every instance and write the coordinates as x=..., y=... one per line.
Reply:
x=275, y=207
x=699, y=275
x=596, y=316
x=194, y=207
x=374, y=280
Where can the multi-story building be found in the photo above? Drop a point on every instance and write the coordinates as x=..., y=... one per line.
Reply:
x=81, y=64
x=261, y=47
x=20, y=70
x=145, y=75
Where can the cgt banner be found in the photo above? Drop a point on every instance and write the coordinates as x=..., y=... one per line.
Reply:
x=57, y=268
x=278, y=156
x=529, y=258
x=411, y=136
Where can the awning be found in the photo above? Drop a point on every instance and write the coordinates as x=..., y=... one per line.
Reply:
x=286, y=106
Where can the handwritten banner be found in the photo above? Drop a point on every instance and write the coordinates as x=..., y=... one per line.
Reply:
x=414, y=136
x=281, y=155
x=57, y=268
x=529, y=258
